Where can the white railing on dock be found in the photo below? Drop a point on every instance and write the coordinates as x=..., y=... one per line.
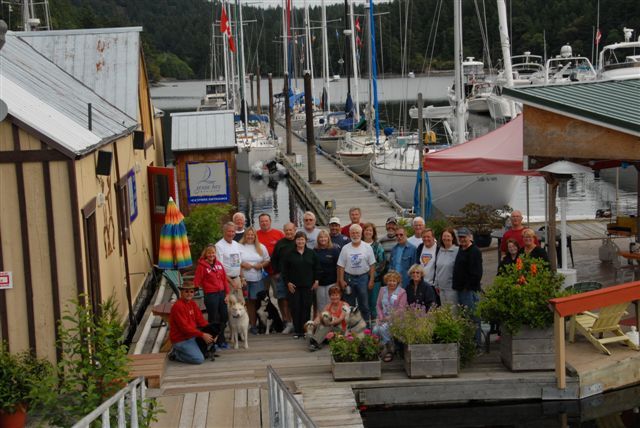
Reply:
x=135, y=390
x=284, y=410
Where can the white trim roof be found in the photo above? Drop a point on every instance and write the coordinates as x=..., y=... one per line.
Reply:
x=104, y=59
x=54, y=103
x=204, y=130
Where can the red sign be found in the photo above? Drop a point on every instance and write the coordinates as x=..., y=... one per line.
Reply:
x=6, y=281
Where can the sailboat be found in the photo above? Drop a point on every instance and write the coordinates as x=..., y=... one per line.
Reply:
x=448, y=191
x=254, y=139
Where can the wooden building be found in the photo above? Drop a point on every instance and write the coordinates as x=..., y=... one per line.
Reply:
x=204, y=147
x=75, y=153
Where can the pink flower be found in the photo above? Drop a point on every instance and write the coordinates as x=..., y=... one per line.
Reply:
x=367, y=331
x=350, y=338
x=375, y=336
x=330, y=335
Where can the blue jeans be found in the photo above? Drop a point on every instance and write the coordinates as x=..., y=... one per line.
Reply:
x=360, y=293
x=188, y=351
x=217, y=311
x=469, y=299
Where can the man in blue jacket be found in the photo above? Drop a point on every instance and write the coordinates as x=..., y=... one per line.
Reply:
x=467, y=274
x=403, y=256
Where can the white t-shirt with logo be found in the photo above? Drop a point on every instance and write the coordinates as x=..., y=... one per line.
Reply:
x=356, y=260
x=427, y=261
x=230, y=254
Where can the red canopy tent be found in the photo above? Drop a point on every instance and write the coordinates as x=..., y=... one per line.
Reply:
x=498, y=152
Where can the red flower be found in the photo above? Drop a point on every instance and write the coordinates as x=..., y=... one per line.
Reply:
x=367, y=331
x=519, y=263
x=522, y=279
x=534, y=269
x=330, y=335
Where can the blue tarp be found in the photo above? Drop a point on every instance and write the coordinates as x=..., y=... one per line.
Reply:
x=253, y=118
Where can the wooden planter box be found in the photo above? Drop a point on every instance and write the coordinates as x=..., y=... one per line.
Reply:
x=530, y=349
x=432, y=360
x=356, y=370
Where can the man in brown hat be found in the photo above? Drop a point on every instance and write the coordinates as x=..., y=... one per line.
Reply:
x=189, y=332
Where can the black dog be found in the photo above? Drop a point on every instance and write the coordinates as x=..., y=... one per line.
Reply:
x=269, y=319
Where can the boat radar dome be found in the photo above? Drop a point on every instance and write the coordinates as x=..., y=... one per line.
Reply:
x=566, y=51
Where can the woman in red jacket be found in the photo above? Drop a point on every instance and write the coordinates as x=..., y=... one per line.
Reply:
x=210, y=275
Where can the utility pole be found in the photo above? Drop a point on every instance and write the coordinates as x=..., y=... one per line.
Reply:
x=311, y=141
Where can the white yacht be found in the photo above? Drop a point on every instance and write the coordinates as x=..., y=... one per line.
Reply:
x=620, y=60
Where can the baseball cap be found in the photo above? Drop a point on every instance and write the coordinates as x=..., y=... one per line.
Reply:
x=463, y=231
x=392, y=220
x=335, y=220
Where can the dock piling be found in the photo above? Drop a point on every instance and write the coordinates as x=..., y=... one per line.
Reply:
x=311, y=140
x=271, y=118
x=287, y=113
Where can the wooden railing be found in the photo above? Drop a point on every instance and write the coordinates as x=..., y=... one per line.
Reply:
x=284, y=410
x=572, y=305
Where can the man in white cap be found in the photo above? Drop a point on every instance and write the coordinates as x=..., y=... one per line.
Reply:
x=337, y=238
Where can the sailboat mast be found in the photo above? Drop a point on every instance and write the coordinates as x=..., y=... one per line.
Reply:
x=374, y=72
x=285, y=39
x=232, y=63
x=225, y=55
x=506, y=50
x=325, y=58
x=241, y=69
x=370, y=109
x=347, y=58
x=354, y=62
x=459, y=87
x=309, y=51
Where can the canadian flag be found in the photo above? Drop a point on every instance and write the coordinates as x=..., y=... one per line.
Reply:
x=358, y=25
x=225, y=28
x=598, y=36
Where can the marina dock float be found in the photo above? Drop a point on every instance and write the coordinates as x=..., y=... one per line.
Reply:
x=334, y=185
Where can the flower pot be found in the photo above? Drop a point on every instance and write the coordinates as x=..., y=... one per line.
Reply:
x=432, y=360
x=530, y=349
x=356, y=370
x=17, y=419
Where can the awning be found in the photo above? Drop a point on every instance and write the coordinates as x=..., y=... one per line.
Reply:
x=498, y=152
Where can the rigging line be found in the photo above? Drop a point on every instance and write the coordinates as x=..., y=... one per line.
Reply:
x=483, y=34
x=435, y=19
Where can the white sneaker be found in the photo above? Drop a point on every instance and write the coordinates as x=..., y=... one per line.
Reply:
x=288, y=329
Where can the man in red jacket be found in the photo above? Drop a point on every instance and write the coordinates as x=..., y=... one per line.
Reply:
x=190, y=334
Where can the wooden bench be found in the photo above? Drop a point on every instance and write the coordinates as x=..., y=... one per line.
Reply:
x=151, y=366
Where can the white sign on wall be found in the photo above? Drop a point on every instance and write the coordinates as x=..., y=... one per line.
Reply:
x=207, y=182
x=6, y=280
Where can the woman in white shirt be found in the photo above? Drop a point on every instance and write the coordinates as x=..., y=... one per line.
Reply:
x=255, y=258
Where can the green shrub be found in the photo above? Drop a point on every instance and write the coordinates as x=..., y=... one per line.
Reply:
x=204, y=226
x=520, y=295
x=20, y=379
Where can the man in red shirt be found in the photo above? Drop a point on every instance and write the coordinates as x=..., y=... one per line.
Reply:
x=514, y=233
x=354, y=215
x=190, y=334
x=268, y=237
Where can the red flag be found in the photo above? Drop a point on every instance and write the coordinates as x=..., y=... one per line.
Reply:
x=225, y=28
x=358, y=25
x=598, y=36
x=358, y=41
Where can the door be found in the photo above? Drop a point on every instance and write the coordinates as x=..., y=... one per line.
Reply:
x=92, y=255
x=162, y=186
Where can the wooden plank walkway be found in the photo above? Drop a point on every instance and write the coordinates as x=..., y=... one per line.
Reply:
x=337, y=185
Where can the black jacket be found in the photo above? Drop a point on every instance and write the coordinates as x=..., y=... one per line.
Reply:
x=467, y=270
x=281, y=249
x=423, y=295
x=537, y=253
x=300, y=269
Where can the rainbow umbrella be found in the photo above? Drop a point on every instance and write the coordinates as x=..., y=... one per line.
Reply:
x=174, y=244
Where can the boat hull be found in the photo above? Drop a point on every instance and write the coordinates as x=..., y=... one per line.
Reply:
x=357, y=162
x=249, y=156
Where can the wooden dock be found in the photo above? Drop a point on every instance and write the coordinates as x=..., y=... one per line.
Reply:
x=334, y=185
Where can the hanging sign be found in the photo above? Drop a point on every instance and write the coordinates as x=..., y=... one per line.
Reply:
x=207, y=182
x=6, y=280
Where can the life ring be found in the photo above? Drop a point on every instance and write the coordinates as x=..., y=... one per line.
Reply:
x=429, y=137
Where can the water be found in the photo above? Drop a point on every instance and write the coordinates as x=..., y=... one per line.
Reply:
x=613, y=409
x=587, y=194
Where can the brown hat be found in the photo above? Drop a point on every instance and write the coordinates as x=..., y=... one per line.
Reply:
x=187, y=286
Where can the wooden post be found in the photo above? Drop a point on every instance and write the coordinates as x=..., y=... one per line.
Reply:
x=271, y=101
x=251, y=88
x=558, y=331
x=287, y=114
x=311, y=140
x=259, y=106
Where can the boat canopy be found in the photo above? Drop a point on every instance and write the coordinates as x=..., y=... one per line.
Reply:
x=253, y=118
x=498, y=152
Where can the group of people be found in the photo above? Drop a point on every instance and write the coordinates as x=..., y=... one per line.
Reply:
x=311, y=271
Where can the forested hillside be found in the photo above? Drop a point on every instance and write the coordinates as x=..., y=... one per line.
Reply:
x=177, y=33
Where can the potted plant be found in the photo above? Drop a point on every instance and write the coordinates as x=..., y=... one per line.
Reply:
x=519, y=301
x=20, y=376
x=482, y=220
x=435, y=342
x=354, y=357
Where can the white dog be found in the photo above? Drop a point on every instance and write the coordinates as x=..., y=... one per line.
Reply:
x=238, y=322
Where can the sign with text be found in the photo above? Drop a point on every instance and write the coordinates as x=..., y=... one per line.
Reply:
x=6, y=280
x=207, y=182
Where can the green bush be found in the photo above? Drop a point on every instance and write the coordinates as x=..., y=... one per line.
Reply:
x=520, y=295
x=204, y=226
x=20, y=379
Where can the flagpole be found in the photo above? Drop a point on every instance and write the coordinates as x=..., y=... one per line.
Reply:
x=225, y=51
x=242, y=70
x=354, y=62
